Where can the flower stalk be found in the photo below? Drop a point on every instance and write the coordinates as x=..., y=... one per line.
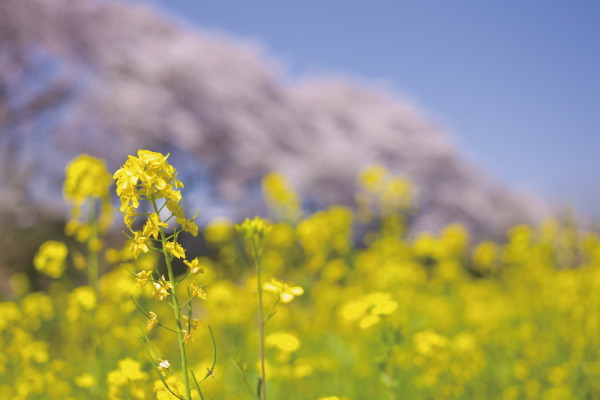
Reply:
x=149, y=177
x=256, y=231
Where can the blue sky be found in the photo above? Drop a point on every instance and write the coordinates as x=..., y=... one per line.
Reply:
x=515, y=83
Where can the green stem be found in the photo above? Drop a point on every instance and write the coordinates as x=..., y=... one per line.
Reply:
x=93, y=282
x=186, y=383
x=261, y=325
x=243, y=375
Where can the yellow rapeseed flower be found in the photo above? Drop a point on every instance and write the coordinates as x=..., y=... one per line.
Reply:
x=143, y=278
x=186, y=336
x=280, y=196
x=164, y=366
x=175, y=249
x=87, y=177
x=85, y=381
x=162, y=289
x=152, y=227
x=138, y=244
x=219, y=230
x=195, y=267
x=285, y=292
x=151, y=323
x=373, y=177
x=175, y=386
x=188, y=225
x=197, y=291
x=255, y=230
x=283, y=341
x=50, y=259
x=427, y=342
x=369, y=321
x=193, y=324
x=149, y=175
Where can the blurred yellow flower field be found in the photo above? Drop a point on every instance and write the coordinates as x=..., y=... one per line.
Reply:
x=355, y=305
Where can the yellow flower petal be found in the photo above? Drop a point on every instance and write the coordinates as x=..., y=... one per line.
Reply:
x=270, y=287
x=287, y=297
x=296, y=290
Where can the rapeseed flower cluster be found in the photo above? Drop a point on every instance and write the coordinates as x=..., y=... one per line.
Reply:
x=51, y=258
x=87, y=180
x=281, y=198
x=149, y=177
x=437, y=315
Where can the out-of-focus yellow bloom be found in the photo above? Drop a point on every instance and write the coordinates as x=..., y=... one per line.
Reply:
x=143, y=278
x=281, y=197
x=79, y=261
x=175, y=385
x=426, y=247
x=285, y=292
x=369, y=309
x=195, y=267
x=197, y=291
x=175, y=249
x=484, y=255
x=373, y=177
x=334, y=270
x=131, y=369
x=95, y=244
x=112, y=256
x=326, y=231
x=85, y=297
x=255, y=230
x=354, y=310
x=85, y=381
x=87, y=177
x=397, y=193
x=19, y=284
x=219, y=230
x=129, y=377
x=82, y=298
x=369, y=321
x=9, y=312
x=151, y=323
x=383, y=305
x=283, y=341
x=454, y=239
x=427, y=342
x=50, y=258
x=38, y=306
x=302, y=368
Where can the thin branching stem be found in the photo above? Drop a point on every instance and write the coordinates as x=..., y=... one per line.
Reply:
x=175, y=305
x=255, y=249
